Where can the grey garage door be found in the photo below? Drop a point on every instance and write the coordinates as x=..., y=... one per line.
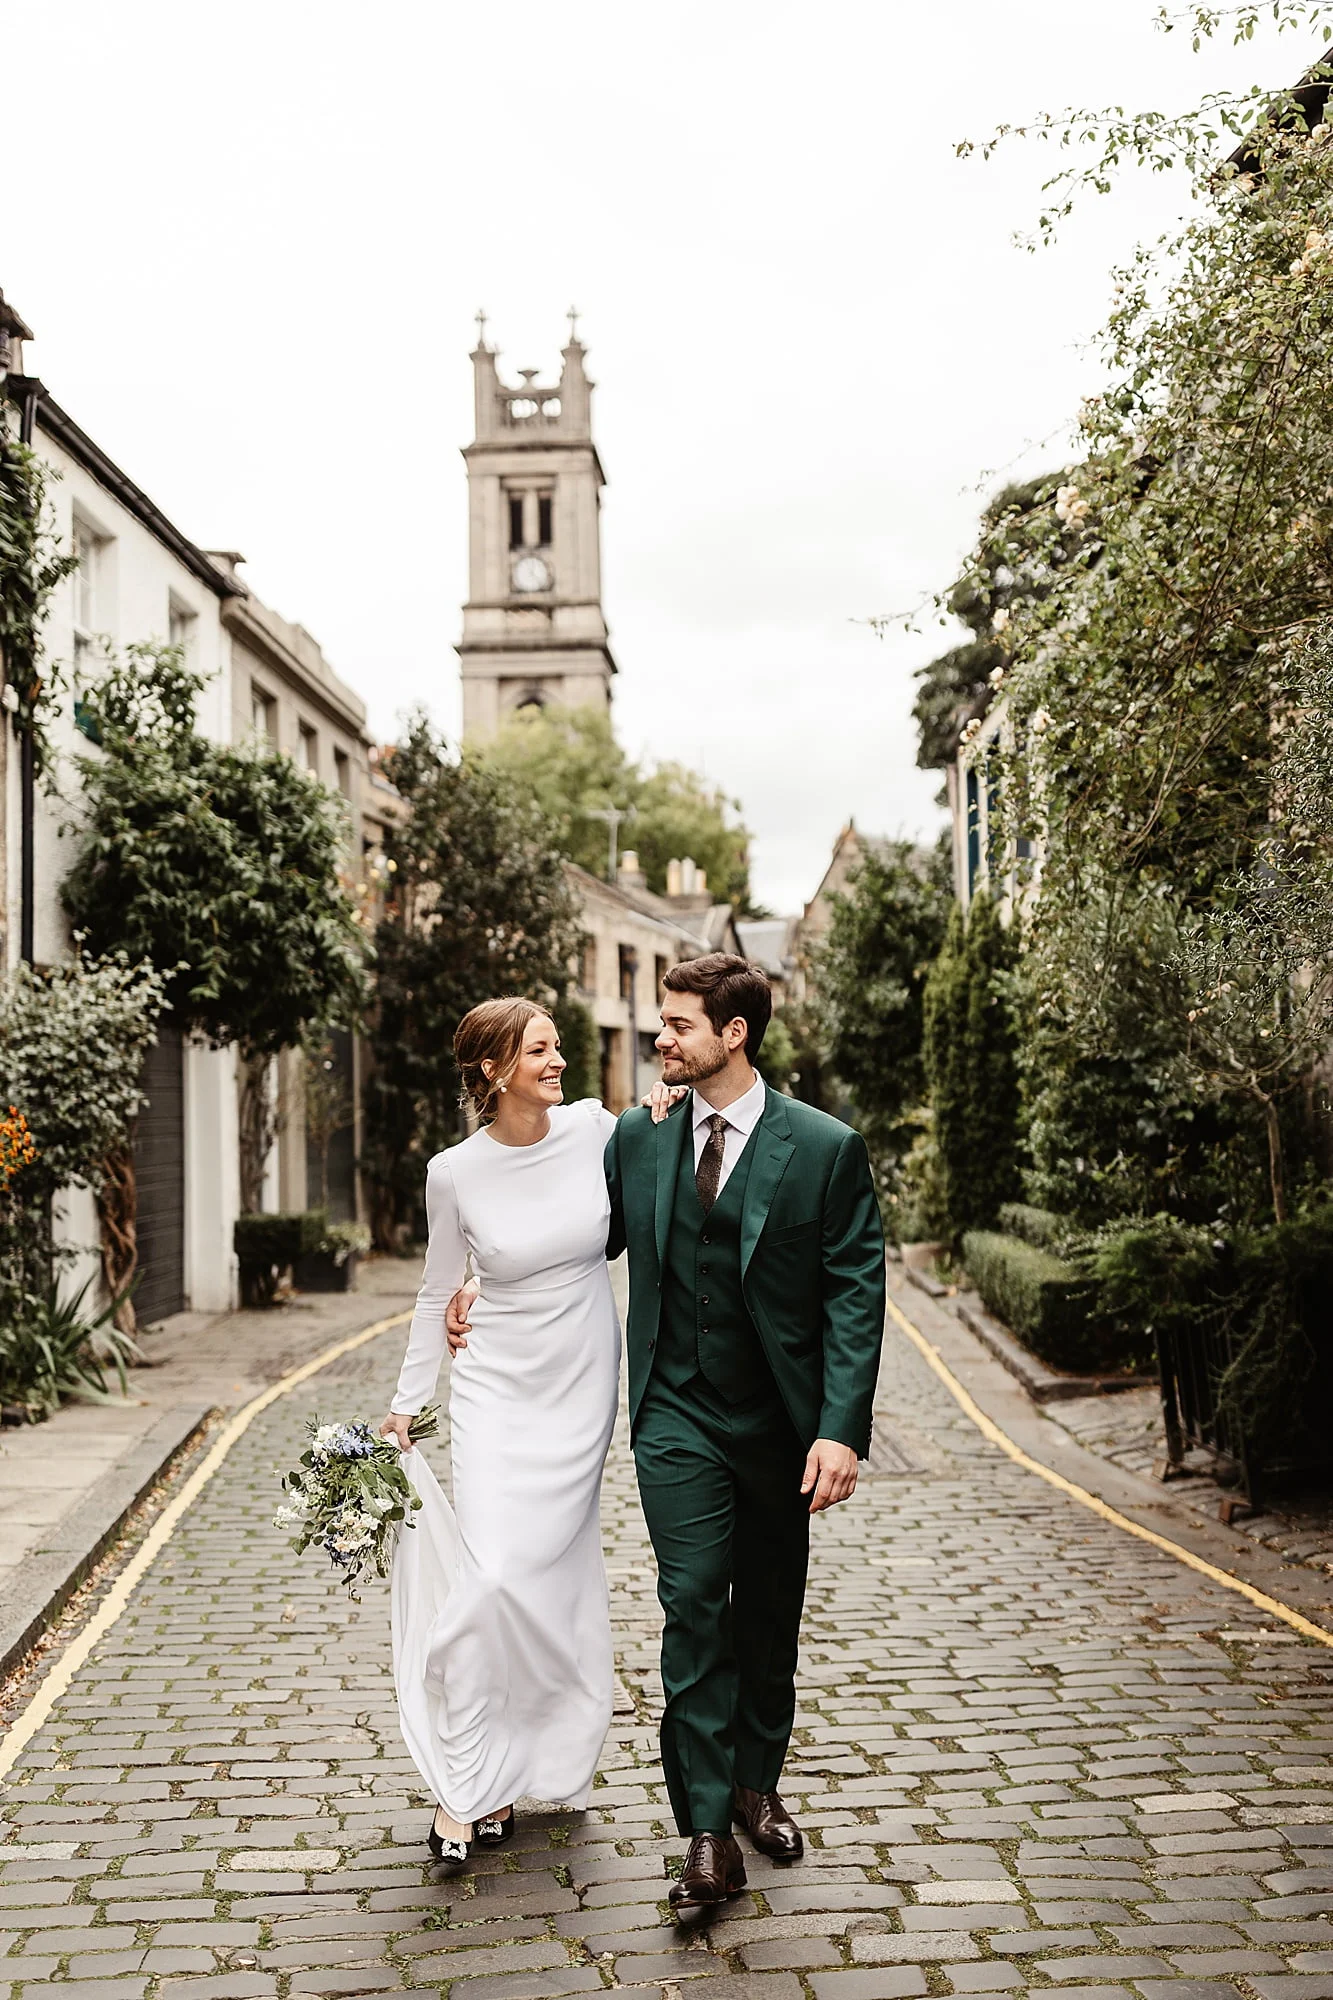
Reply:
x=159, y=1164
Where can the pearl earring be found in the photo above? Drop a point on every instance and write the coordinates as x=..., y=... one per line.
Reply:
x=503, y=1088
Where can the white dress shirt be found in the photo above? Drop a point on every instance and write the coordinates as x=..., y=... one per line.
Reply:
x=741, y=1117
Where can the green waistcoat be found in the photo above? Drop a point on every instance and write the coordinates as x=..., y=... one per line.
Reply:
x=706, y=1326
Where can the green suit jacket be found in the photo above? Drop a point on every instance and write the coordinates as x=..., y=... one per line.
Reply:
x=812, y=1257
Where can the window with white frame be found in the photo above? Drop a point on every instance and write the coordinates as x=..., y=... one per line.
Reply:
x=263, y=712
x=90, y=556
x=181, y=622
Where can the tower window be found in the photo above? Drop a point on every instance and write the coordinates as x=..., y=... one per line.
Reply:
x=544, y=521
x=516, y=520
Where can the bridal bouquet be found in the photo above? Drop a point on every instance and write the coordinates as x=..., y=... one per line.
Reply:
x=348, y=1494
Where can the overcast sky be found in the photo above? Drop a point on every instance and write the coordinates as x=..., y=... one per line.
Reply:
x=251, y=240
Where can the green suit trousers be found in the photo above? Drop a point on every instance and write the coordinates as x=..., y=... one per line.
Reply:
x=720, y=1486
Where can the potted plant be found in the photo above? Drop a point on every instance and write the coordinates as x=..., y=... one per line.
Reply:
x=268, y=1246
x=330, y=1266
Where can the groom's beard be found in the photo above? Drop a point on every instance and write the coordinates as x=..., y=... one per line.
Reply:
x=696, y=1068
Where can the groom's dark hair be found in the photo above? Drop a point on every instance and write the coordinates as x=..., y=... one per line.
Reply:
x=731, y=988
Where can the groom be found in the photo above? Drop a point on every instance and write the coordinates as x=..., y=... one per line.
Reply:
x=756, y=1263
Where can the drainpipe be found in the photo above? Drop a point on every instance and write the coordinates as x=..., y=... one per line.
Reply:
x=632, y=966
x=30, y=389
x=26, y=391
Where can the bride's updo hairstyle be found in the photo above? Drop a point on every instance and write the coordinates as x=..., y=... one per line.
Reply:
x=492, y=1033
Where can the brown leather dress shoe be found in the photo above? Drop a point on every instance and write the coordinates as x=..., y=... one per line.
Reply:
x=714, y=1869
x=769, y=1824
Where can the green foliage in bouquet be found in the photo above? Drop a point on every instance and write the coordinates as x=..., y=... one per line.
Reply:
x=348, y=1495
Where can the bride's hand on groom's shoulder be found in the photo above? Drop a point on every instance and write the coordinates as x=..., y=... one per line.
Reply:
x=660, y=1099
x=457, y=1320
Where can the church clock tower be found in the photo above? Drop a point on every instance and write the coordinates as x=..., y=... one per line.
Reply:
x=533, y=630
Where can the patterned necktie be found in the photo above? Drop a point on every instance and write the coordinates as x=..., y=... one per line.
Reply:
x=709, y=1170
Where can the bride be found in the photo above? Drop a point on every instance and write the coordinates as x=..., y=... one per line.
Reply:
x=502, y=1636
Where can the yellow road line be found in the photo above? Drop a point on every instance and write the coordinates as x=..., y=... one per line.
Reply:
x=991, y=1430
x=58, y=1679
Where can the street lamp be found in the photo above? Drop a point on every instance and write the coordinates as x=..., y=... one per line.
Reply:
x=615, y=817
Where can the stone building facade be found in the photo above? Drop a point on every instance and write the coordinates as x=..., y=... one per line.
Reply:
x=285, y=692
x=631, y=939
x=139, y=579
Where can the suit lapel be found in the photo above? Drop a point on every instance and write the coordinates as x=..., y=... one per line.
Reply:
x=772, y=1156
x=671, y=1137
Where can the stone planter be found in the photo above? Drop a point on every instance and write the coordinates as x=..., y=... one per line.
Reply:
x=321, y=1271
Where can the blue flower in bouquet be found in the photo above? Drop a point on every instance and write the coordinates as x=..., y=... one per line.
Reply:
x=329, y=1441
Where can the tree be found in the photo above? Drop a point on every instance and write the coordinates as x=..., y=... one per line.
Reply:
x=1099, y=143
x=1177, y=565
x=581, y=1048
x=219, y=866
x=72, y=1045
x=970, y=1061
x=959, y=686
x=869, y=986
x=478, y=906
x=571, y=764
x=327, y=1102
x=1257, y=972
x=776, y=1061
x=32, y=564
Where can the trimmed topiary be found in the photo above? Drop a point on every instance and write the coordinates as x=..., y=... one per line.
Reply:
x=1050, y=1306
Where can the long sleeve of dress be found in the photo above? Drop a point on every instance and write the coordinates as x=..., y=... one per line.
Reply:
x=605, y=1121
x=446, y=1267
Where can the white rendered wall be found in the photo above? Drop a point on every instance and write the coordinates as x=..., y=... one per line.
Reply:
x=139, y=579
x=212, y=1177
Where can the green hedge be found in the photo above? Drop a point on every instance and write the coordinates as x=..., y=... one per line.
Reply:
x=268, y=1245
x=1252, y=1307
x=1049, y=1305
x=1039, y=1226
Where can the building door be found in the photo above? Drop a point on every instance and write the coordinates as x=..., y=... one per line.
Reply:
x=330, y=1149
x=159, y=1167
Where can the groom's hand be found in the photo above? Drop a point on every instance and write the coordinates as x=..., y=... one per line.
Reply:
x=830, y=1474
x=457, y=1323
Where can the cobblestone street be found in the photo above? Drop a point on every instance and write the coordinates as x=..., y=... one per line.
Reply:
x=1031, y=1751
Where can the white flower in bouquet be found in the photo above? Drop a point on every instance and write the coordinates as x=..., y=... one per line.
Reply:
x=293, y=1511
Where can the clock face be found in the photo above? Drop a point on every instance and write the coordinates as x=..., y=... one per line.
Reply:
x=531, y=573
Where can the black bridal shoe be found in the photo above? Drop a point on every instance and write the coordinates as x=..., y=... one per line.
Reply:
x=492, y=1831
x=454, y=1852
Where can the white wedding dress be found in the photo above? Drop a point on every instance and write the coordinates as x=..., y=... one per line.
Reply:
x=501, y=1627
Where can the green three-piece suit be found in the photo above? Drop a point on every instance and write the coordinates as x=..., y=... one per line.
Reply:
x=753, y=1330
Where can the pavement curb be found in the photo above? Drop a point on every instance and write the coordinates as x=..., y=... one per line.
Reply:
x=1001, y=1399
x=1043, y=1384
x=67, y=1556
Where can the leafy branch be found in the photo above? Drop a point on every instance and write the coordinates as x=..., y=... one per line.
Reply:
x=1162, y=141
